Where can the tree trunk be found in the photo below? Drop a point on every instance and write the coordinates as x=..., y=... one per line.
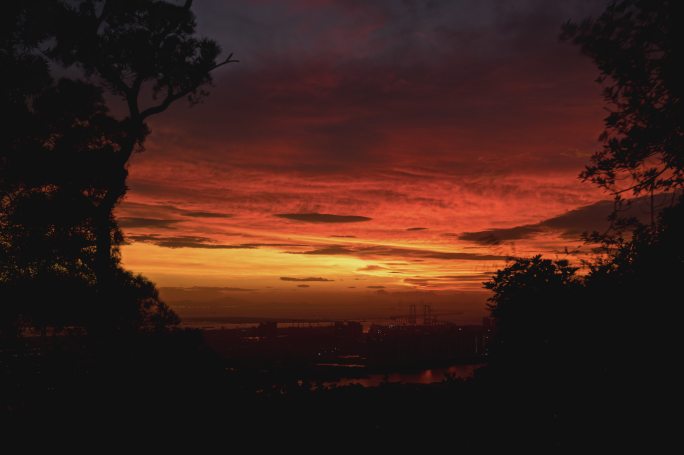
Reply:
x=104, y=265
x=116, y=188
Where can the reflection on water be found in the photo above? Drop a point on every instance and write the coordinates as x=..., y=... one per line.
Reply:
x=229, y=323
x=428, y=376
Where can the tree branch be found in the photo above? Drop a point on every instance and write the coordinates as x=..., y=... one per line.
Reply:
x=168, y=100
x=228, y=59
x=649, y=181
x=171, y=97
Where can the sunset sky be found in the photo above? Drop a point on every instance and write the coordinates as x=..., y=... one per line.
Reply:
x=365, y=155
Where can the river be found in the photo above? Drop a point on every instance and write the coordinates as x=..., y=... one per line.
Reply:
x=427, y=376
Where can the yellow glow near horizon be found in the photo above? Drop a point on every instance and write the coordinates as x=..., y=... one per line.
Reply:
x=215, y=267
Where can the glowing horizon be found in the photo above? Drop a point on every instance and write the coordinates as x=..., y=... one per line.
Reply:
x=394, y=154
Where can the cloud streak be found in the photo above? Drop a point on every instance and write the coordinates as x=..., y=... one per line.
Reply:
x=187, y=241
x=204, y=214
x=572, y=224
x=311, y=278
x=136, y=222
x=323, y=218
x=380, y=251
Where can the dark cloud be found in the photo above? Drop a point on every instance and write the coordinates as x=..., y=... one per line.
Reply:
x=192, y=244
x=343, y=236
x=425, y=282
x=258, y=245
x=323, y=218
x=394, y=70
x=203, y=214
x=416, y=229
x=375, y=287
x=571, y=225
x=496, y=236
x=331, y=250
x=594, y=217
x=418, y=254
x=132, y=209
x=303, y=286
x=186, y=241
x=135, y=222
x=311, y=278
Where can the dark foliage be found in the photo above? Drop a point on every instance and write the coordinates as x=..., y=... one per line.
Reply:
x=638, y=47
x=534, y=302
x=565, y=368
x=63, y=156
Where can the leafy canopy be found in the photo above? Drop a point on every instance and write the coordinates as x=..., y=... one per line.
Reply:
x=637, y=46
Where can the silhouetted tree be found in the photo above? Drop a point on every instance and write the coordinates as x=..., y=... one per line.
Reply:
x=634, y=288
x=133, y=50
x=533, y=303
x=58, y=161
x=638, y=47
x=605, y=321
x=46, y=164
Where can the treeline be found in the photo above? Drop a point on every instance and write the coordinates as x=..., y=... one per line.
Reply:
x=596, y=347
x=618, y=309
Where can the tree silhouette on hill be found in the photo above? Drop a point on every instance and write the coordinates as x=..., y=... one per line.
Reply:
x=64, y=155
x=636, y=46
x=593, y=327
x=133, y=50
x=533, y=300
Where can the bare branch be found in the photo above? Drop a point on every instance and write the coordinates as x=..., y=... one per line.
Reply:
x=171, y=97
x=229, y=59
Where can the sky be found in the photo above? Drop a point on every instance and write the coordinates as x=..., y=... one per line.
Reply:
x=363, y=156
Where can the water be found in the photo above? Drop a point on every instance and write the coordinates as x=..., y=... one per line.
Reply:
x=428, y=376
